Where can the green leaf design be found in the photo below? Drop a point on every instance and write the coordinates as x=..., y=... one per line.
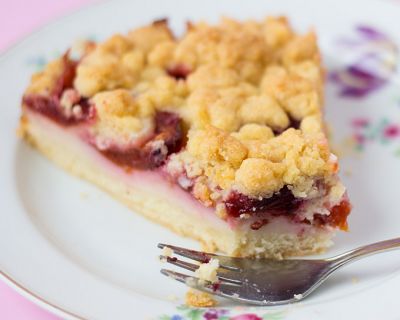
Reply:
x=374, y=132
x=384, y=141
x=274, y=316
x=359, y=147
x=195, y=314
x=164, y=317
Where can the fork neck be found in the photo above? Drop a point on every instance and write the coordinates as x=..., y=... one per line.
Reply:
x=364, y=251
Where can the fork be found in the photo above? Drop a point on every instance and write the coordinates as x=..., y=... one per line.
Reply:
x=265, y=281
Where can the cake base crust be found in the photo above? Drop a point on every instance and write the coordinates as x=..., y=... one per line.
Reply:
x=278, y=239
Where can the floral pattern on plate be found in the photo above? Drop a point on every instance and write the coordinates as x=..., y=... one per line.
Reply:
x=373, y=62
x=385, y=131
x=187, y=313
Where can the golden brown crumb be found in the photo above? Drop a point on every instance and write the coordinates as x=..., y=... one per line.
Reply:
x=259, y=176
x=119, y=117
x=23, y=123
x=265, y=110
x=246, y=83
x=254, y=132
x=44, y=81
x=200, y=299
x=250, y=97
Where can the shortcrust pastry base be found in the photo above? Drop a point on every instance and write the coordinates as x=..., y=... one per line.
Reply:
x=277, y=239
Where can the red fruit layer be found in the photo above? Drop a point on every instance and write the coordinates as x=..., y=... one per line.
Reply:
x=281, y=203
x=179, y=71
x=338, y=216
x=167, y=139
x=258, y=224
x=50, y=105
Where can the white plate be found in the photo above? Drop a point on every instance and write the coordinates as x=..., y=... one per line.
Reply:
x=74, y=249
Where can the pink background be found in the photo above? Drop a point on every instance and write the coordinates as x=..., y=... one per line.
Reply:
x=17, y=19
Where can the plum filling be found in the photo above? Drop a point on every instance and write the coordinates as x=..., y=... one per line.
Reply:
x=337, y=217
x=293, y=123
x=258, y=224
x=280, y=203
x=178, y=71
x=50, y=105
x=167, y=139
x=283, y=203
x=66, y=79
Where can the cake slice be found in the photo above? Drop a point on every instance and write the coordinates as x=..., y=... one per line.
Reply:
x=218, y=134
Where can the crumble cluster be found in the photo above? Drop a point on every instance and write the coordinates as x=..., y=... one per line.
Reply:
x=198, y=299
x=120, y=120
x=44, y=82
x=208, y=271
x=250, y=95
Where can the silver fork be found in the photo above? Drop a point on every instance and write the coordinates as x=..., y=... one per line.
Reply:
x=266, y=281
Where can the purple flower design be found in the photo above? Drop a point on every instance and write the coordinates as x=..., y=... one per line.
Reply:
x=356, y=81
x=247, y=316
x=373, y=66
x=214, y=314
x=370, y=33
x=218, y=314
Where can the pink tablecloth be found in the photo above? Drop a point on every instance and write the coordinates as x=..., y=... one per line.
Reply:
x=17, y=19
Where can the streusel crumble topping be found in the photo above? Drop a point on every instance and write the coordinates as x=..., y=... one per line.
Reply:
x=249, y=95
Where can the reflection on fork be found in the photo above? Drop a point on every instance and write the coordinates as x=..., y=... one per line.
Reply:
x=265, y=281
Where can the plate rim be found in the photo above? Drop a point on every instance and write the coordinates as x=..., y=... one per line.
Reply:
x=37, y=299
x=33, y=297
x=9, y=50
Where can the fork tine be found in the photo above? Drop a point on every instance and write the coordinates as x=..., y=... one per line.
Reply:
x=184, y=278
x=191, y=254
x=202, y=257
x=180, y=263
x=221, y=288
x=196, y=283
x=194, y=267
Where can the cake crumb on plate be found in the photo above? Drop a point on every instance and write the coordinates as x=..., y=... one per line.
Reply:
x=355, y=280
x=172, y=298
x=84, y=195
x=196, y=298
x=167, y=252
x=208, y=271
x=298, y=296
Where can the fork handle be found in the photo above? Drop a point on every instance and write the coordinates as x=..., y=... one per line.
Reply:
x=364, y=251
